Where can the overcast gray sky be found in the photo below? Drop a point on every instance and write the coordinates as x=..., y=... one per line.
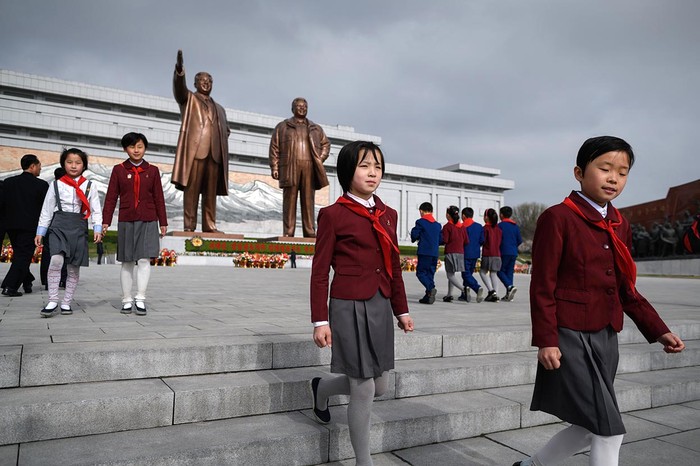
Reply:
x=516, y=85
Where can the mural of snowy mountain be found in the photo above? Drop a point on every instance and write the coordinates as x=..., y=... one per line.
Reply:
x=252, y=209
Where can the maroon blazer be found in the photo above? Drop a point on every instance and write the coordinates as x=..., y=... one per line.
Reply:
x=349, y=244
x=574, y=281
x=121, y=186
x=492, y=241
x=454, y=238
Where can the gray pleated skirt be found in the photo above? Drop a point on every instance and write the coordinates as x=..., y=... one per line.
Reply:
x=69, y=235
x=581, y=391
x=363, y=336
x=454, y=262
x=137, y=240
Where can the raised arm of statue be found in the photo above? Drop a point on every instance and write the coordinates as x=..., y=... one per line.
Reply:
x=179, y=84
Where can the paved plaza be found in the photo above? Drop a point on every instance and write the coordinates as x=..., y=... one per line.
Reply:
x=220, y=302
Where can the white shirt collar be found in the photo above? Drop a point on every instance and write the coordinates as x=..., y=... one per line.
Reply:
x=601, y=210
x=369, y=203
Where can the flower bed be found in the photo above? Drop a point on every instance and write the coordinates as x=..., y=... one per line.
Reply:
x=166, y=257
x=260, y=261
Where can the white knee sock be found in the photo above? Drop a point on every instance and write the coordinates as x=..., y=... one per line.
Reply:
x=143, y=274
x=127, y=279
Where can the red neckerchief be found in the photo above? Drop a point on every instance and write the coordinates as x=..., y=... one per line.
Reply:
x=468, y=222
x=622, y=254
x=137, y=170
x=428, y=217
x=384, y=239
x=509, y=220
x=458, y=224
x=79, y=192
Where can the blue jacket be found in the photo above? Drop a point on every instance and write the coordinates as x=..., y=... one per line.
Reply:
x=428, y=235
x=475, y=232
x=511, y=238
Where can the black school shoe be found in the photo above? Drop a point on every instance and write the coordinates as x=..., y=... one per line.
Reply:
x=46, y=312
x=140, y=310
x=426, y=300
x=447, y=299
x=12, y=293
x=324, y=417
x=66, y=312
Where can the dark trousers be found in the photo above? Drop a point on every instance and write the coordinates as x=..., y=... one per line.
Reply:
x=203, y=180
x=507, y=270
x=23, y=250
x=468, y=275
x=304, y=189
x=425, y=271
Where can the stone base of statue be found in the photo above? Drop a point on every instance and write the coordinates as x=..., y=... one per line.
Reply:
x=205, y=234
x=288, y=239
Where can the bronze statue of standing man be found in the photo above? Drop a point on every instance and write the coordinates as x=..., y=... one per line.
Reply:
x=298, y=149
x=201, y=159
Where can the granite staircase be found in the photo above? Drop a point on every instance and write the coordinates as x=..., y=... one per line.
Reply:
x=245, y=399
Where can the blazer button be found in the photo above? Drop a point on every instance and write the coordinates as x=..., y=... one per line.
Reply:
x=610, y=291
x=378, y=270
x=605, y=246
x=608, y=272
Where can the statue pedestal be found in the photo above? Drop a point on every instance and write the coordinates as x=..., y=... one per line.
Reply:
x=288, y=239
x=206, y=235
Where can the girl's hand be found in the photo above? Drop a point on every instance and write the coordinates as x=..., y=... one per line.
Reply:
x=37, y=240
x=405, y=323
x=97, y=237
x=323, y=336
x=163, y=230
x=549, y=357
x=104, y=228
x=672, y=342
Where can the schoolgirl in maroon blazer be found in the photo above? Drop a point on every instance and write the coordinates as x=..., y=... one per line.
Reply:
x=356, y=236
x=491, y=255
x=142, y=218
x=583, y=280
x=455, y=238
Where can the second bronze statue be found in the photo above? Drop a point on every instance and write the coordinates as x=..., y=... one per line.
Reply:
x=298, y=149
x=201, y=159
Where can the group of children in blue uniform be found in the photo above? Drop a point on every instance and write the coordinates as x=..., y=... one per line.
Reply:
x=466, y=242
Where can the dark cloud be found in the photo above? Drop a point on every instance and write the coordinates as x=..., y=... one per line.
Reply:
x=513, y=85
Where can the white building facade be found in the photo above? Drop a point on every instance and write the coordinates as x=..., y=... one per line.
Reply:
x=45, y=115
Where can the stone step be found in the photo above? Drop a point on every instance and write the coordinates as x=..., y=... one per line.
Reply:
x=293, y=438
x=287, y=438
x=61, y=363
x=46, y=412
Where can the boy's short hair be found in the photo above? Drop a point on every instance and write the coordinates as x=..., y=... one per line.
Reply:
x=348, y=158
x=597, y=146
x=506, y=211
x=468, y=212
x=28, y=160
x=129, y=139
x=426, y=207
x=76, y=151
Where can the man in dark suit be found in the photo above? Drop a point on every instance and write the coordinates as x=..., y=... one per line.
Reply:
x=23, y=195
x=201, y=158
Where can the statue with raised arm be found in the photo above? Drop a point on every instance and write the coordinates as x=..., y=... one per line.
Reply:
x=201, y=159
x=298, y=149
